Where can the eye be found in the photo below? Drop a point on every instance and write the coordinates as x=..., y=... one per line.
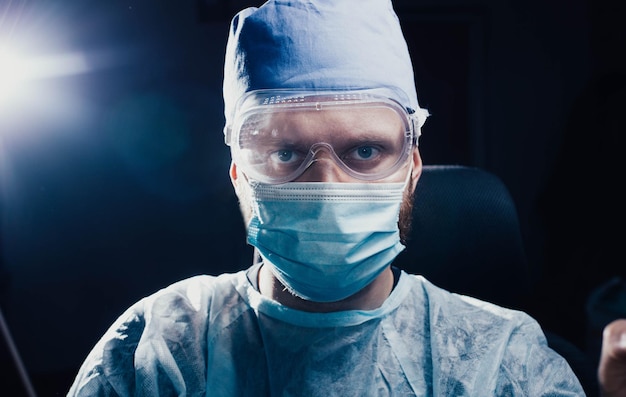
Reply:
x=366, y=157
x=364, y=153
x=284, y=156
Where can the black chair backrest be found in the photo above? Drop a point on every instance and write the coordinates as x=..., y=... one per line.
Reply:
x=466, y=236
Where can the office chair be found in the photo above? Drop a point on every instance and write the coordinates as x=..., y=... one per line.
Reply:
x=466, y=238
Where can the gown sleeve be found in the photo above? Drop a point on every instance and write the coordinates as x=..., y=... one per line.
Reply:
x=155, y=348
x=531, y=368
x=109, y=370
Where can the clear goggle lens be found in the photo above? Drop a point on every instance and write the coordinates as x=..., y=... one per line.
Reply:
x=277, y=137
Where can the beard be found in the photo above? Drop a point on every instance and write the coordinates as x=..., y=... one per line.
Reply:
x=405, y=217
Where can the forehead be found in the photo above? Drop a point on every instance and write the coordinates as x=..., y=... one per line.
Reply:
x=334, y=122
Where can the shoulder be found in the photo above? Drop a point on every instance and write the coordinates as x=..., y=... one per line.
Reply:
x=487, y=337
x=177, y=312
x=483, y=321
x=466, y=322
x=193, y=296
x=456, y=307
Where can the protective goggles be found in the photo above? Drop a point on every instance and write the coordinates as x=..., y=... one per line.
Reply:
x=278, y=134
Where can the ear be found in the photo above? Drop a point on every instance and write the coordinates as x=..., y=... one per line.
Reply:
x=417, y=166
x=232, y=172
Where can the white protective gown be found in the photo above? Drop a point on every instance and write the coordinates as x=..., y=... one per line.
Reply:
x=218, y=336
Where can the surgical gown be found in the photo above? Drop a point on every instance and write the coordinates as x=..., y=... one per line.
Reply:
x=218, y=336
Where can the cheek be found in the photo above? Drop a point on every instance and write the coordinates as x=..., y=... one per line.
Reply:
x=245, y=201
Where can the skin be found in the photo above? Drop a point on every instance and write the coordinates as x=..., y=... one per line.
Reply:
x=612, y=369
x=317, y=125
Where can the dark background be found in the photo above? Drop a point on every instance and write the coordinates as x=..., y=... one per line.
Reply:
x=113, y=181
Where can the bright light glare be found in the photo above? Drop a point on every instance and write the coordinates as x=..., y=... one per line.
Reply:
x=18, y=71
x=10, y=73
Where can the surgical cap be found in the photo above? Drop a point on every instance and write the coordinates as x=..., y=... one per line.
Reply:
x=317, y=45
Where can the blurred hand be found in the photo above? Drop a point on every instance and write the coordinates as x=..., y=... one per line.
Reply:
x=612, y=369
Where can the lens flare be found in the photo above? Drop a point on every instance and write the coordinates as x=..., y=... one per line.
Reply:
x=18, y=71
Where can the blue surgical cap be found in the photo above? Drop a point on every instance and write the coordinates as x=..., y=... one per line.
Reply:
x=317, y=45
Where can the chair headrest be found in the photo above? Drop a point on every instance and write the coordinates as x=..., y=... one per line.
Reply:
x=466, y=235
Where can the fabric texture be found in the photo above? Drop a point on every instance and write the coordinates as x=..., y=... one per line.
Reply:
x=218, y=336
x=317, y=45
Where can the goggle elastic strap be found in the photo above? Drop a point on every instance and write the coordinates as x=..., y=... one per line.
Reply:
x=418, y=118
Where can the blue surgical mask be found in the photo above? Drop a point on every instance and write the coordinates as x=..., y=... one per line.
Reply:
x=326, y=241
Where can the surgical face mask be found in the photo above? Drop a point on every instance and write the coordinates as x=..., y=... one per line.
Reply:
x=326, y=241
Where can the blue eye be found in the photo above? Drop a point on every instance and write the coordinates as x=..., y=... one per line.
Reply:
x=365, y=152
x=284, y=155
x=365, y=158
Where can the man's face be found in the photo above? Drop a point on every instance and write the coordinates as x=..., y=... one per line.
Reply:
x=336, y=143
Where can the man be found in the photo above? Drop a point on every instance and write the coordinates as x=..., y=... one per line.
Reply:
x=323, y=120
